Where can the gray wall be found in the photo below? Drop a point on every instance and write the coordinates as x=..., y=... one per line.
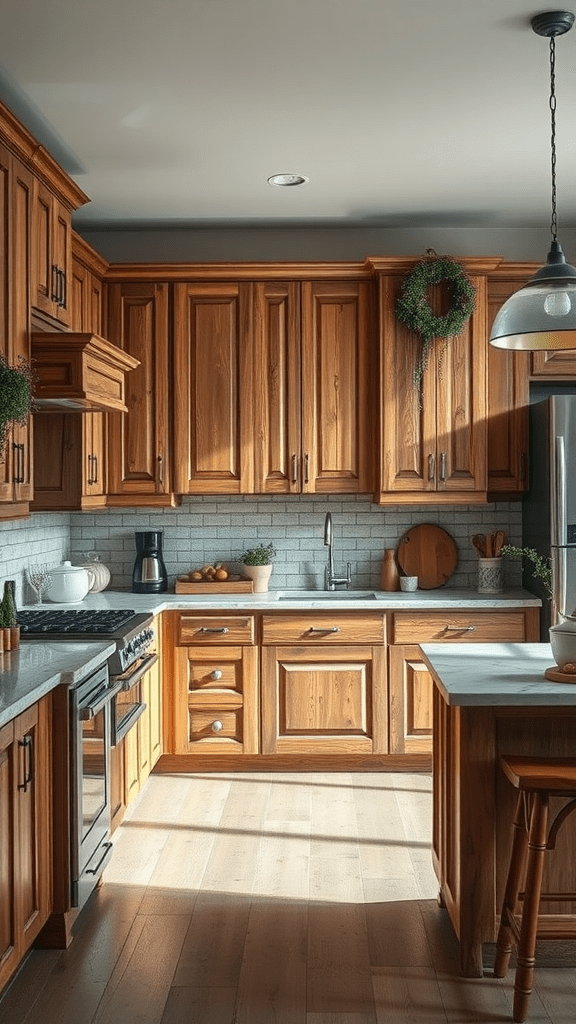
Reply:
x=206, y=243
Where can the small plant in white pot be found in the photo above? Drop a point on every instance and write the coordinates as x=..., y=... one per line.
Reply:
x=257, y=564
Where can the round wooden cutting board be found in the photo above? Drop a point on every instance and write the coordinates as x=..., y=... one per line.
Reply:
x=430, y=553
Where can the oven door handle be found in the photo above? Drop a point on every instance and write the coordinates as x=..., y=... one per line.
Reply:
x=127, y=682
x=103, y=697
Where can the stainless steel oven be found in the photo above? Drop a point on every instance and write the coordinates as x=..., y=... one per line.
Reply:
x=91, y=704
x=99, y=712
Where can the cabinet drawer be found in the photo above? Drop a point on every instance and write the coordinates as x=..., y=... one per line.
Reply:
x=459, y=626
x=215, y=629
x=210, y=669
x=215, y=724
x=324, y=628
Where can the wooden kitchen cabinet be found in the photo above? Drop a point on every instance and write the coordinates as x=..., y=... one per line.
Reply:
x=51, y=255
x=25, y=833
x=16, y=183
x=313, y=349
x=211, y=685
x=70, y=449
x=508, y=396
x=433, y=438
x=411, y=688
x=213, y=388
x=324, y=686
x=139, y=442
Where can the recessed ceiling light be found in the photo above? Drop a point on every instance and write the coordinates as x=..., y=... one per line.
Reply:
x=285, y=180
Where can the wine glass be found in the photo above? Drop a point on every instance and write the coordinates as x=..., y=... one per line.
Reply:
x=39, y=578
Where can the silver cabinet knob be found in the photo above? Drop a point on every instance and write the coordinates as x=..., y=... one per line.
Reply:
x=216, y=674
x=217, y=726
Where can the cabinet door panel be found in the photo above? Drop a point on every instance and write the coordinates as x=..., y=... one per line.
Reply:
x=508, y=387
x=319, y=701
x=408, y=414
x=8, y=847
x=410, y=702
x=139, y=440
x=214, y=388
x=336, y=331
x=555, y=365
x=277, y=387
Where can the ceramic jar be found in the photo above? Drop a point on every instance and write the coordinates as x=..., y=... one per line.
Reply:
x=70, y=583
x=563, y=643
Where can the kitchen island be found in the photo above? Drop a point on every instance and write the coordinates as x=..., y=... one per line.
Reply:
x=490, y=699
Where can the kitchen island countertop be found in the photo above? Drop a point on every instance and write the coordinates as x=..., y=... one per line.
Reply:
x=29, y=673
x=496, y=674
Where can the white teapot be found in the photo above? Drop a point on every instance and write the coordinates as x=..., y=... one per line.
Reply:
x=70, y=583
x=563, y=643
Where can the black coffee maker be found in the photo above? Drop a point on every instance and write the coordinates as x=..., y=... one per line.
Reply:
x=149, y=575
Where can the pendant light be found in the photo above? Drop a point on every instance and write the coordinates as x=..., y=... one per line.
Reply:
x=542, y=314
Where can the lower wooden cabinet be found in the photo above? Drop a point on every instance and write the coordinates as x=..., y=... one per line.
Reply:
x=409, y=680
x=318, y=700
x=324, y=683
x=25, y=833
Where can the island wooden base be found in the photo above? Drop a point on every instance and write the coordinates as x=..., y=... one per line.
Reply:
x=473, y=809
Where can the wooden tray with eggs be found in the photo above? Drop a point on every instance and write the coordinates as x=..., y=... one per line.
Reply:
x=216, y=579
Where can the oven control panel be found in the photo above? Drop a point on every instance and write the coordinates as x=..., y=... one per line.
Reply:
x=134, y=648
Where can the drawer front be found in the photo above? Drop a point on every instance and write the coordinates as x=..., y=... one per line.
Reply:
x=459, y=627
x=215, y=629
x=324, y=628
x=210, y=669
x=220, y=725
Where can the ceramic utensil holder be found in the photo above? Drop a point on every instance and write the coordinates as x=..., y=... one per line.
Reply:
x=490, y=576
x=408, y=584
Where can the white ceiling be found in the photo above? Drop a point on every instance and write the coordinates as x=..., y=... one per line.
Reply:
x=400, y=112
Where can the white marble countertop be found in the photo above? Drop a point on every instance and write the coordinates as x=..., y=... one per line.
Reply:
x=37, y=667
x=30, y=672
x=485, y=675
x=289, y=600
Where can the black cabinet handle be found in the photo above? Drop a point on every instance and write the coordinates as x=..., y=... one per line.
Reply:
x=28, y=744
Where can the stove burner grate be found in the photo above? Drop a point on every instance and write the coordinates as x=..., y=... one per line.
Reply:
x=86, y=621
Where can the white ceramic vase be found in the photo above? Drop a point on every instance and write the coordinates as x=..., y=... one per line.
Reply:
x=260, y=576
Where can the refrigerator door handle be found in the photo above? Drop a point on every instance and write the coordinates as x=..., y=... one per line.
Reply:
x=559, y=532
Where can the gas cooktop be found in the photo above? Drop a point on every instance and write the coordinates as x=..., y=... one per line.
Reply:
x=68, y=622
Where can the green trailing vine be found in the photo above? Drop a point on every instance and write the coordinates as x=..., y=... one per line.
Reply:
x=542, y=566
x=16, y=384
x=414, y=310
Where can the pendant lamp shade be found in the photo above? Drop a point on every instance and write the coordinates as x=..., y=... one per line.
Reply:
x=542, y=315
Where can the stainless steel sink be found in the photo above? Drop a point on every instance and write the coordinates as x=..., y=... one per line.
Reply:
x=326, y=595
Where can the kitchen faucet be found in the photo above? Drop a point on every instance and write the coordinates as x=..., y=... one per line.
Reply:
x=330, y=580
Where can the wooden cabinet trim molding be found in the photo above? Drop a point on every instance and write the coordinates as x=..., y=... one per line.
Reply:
x=231, y=271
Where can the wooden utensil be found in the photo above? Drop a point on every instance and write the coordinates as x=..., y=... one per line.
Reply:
x=488, y=547
x=478, y=541
x=498, y=544
x=430, y=553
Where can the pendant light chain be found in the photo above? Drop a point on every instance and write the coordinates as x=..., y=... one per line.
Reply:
x=554, y=221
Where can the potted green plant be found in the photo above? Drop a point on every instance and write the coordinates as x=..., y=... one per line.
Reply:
x=15, y=395
x=542, y=566
x=257, y=564
x=9, y=628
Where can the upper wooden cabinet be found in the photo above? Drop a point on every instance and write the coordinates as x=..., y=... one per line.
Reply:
x=557, y=365
x=213, y=388
x=313, y=342
x=70, y=448
x=508, y=397
x=433, y=438
x=139, y=449
x=16, y=184
x=52, y=256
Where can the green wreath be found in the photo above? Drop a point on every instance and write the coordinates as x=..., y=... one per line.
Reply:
x=413, y=308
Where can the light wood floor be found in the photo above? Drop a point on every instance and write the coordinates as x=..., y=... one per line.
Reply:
x=271, y=899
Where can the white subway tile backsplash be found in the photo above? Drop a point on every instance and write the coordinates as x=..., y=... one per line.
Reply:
x=205, y=529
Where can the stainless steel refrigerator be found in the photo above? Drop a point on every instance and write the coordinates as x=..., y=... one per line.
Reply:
x=549, y=507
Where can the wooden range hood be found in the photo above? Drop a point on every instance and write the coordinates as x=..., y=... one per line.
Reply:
x=79, y=373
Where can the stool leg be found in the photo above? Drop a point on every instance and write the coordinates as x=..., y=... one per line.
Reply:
x=513, y=886
x=529, y=920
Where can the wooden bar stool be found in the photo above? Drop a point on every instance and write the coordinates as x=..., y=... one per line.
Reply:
x=536, y=779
